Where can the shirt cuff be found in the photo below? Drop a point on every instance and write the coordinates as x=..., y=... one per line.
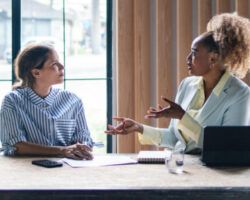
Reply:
x=17, y=139
x=189, y=128
x=9, y=149
x=150, y=136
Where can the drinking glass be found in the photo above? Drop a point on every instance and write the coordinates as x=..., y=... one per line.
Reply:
x=175, y=161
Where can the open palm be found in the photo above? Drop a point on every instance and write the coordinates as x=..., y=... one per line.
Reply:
x=173, y=110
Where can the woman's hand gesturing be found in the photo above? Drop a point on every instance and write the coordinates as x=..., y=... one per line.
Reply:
x=125, y=126
x=173, y=110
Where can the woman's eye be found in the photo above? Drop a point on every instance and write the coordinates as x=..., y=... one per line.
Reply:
x=55, y=65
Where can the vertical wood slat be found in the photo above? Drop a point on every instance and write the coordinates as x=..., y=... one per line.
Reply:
x=242, y=10
x=125, y=70
x=242, y=7
x=184, y=36
x=164, y=42
x=204, y=14
x=142, y=61
x=222, y=6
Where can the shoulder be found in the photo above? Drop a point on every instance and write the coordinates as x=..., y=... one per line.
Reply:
x=237, y=92
x=12, y=98
x=15, y=94
x=237, y=86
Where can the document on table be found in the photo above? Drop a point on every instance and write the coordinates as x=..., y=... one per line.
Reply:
x=100, y=160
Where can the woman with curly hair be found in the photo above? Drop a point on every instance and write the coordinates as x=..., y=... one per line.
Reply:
x=212, y=96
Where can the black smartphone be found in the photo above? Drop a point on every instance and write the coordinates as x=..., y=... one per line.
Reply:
x=47, y=163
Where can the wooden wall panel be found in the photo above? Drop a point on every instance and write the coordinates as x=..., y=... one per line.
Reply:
x=164, y=53
x=204, y=14
x=184, y=36
x=125, y=70
x=142, y=60
x=242, y=7
x=222, y=6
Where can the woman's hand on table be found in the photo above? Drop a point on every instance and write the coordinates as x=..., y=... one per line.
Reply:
x=77, y=152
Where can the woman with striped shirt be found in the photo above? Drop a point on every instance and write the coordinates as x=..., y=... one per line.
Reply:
x=37, y=119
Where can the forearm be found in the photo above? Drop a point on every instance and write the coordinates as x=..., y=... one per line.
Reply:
x=149, y=135
x=164, y=137
x=140, y=128
x=189, y=128
x=27, y=148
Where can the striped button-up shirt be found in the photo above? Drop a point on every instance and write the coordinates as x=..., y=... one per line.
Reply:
x=57, y=120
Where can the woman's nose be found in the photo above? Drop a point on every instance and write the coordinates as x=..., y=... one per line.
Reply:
x=188, y=58
x=61, y=66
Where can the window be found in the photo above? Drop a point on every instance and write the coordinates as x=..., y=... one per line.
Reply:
x=5, y=47
x=78, y=30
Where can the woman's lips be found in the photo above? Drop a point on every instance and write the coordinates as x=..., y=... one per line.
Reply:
x=189, y=66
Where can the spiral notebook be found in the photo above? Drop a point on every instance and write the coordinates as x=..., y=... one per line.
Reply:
x=153, y=156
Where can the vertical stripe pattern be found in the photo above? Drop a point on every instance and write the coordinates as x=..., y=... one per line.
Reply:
x=57, y=120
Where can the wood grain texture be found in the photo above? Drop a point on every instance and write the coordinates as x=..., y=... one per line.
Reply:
x=222, y=6
x=184, y=36
x=242, y=7
x=204, y=14
x=125, y=70
x=142, y=61
x=164, y=54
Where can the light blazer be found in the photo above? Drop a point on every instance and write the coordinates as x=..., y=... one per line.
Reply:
x=231, y=107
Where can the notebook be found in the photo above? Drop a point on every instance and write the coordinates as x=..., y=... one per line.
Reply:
x=226, y=146
x=153, y=156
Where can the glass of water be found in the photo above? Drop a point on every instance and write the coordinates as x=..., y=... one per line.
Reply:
x=175, y=161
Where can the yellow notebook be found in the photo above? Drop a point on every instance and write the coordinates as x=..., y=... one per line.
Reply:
x=153, y=156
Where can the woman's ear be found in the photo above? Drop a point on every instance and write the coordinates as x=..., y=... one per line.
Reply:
x=213, y=58
x=35, y=73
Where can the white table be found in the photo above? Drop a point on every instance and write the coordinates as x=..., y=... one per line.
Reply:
x=139, y=181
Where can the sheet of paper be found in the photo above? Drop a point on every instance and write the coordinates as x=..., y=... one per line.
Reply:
x=100, y=160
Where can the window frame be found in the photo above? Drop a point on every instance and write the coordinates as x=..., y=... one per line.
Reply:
x=16, y=45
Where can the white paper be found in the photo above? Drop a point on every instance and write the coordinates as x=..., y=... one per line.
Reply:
x=100, y=160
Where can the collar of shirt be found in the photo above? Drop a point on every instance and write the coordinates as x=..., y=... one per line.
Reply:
x=218, y=88
x=36, y=99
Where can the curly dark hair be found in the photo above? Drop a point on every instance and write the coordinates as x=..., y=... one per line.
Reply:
x=232, y=35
